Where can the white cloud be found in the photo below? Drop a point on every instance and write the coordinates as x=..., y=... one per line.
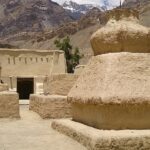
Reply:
x=99, y=2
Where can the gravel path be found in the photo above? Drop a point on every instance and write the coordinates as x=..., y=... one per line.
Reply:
x=32, y=133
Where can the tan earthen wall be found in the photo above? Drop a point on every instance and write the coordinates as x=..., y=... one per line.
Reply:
x=3, y=87
x=51, y=106
x=95, y=139
x=59, y=84
x=31, y=62
x=113, y=116
x=9, y=105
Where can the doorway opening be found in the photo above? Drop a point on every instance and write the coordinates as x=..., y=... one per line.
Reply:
x=25, y=87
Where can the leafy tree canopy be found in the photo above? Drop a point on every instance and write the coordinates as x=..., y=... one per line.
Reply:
x=72, y=55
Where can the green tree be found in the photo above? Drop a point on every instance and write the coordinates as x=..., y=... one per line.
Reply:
x=72, y=56
x=76, y=57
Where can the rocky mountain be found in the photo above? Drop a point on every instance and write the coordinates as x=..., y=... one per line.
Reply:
x=143, y=7
x=134, y=3
x=17, y=16
x=79, y=32
x=91, y=18
x=35, y=24
x=77, y=10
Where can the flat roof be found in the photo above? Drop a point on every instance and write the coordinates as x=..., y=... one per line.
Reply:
x=31, y=50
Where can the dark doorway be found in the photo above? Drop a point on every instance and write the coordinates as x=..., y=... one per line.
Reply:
x=25, y=87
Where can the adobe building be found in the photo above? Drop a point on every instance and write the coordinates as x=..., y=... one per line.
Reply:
x=24, y=70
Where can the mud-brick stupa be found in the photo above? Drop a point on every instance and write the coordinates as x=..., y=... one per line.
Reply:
x=113, y=92
x=114, y=89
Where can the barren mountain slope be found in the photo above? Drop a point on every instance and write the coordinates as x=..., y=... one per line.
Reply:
x=144, y=8
x=79, y=31
x=80, y=39
x=35, y=24
x=30, y=16
x=145, y=15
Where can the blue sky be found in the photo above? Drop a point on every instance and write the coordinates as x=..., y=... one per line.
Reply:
x=100, y=2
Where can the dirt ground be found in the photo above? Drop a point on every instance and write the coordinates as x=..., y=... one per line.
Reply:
x=32, y=133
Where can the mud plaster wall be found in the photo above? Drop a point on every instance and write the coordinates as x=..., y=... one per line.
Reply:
x=31, y=63
x=9, y=105
x=3, y=87
x=109, y=116
x=59, y=84
x=51, y=106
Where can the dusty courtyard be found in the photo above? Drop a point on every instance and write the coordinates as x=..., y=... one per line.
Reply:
x=32, y=133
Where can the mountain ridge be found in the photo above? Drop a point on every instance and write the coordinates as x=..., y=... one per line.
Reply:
x=79, y=30
x=33, y=15
x=143, y=6
x=77, y=10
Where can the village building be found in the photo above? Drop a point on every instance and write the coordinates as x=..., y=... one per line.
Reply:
x=25, y=70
